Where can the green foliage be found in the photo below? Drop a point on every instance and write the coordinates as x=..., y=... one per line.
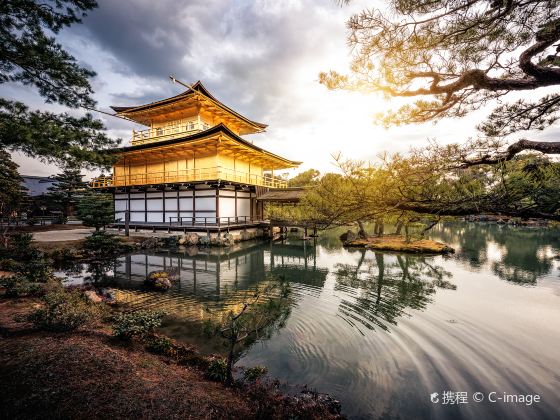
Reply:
x=101, y=244
x=136, y=324
x=65, y=310
x=217, y=370
x=254, y=373
x=304, y=179
x=67, y=190
x=159, y=345
x=12, y=192
x=96, y=209
x=30, y=55
x=24, y=259
x=18, y=285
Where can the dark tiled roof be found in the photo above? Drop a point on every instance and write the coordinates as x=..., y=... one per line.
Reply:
x=283, y=194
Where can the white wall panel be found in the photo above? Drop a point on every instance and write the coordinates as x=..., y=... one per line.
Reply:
x=120, y=205
x=155, y=194
x=137, y=195
x=185, y=193
x=171, y=204
x=121, y=196
x=119, y=215
x=243, y=207
x=243, y=194
x=205, y=203
x=227, y=193
x=155, y=217
x=154, y=204
x=185, y=203
x=136, y=216
x=227, y=207
x=137, y=205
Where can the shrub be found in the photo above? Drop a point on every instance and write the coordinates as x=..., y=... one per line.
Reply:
x=32, y=221
x=18, y=285
x=136, y=324
x=101, y=244
x=217, y=370
x=64, y=310
x=160, y=345
x=254, y=373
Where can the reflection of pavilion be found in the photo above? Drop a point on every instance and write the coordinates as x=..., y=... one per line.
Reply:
x=206, y=272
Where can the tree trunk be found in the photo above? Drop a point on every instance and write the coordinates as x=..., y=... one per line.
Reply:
x=406, y=235
x=362, y=231
x=229, y=365
x=399, y=228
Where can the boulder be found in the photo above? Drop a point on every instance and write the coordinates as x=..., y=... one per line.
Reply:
x=159, y=280
x=192, y=239
x=227, y=240
x=93, y=296
x=149, y=243
x=204, y=240
x=348, y=236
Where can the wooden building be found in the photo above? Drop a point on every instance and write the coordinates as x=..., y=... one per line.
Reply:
x=191, y=166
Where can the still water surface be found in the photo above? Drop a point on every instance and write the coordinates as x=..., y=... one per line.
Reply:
x=382, y=332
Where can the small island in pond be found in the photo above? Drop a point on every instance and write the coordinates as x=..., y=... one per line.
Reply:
x=396, y=243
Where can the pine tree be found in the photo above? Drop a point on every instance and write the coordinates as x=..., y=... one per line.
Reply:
x=96, y=209
x=29, y=54
x=12, y=191
x=67, y=190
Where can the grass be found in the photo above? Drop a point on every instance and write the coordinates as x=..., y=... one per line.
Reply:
x=398, y=243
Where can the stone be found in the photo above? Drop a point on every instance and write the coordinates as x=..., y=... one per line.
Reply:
x=204, y=240
x=348, y=236
x=192, y=239
x=228, y=240
x=158, y=280
x=93, y=296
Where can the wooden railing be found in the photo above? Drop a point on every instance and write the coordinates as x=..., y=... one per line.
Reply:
x=166, y=133
x=209, y=221
x=188, y=175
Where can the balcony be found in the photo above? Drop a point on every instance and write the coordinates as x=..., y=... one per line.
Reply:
x=188, y=175
x=167, y=133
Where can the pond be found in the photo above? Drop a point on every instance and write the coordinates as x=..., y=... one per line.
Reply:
x=391, y=336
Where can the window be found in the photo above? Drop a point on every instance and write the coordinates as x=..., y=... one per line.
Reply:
x=191, y=125
x=159, y=131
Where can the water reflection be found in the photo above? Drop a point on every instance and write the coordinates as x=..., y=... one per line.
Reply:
x=383, y=331
x=516, y=254
x=380, y=287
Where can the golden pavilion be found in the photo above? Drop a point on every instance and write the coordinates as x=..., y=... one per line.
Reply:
x=191, y=166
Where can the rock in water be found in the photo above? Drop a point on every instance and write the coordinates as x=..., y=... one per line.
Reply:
x=348, y=236
x=158, y=280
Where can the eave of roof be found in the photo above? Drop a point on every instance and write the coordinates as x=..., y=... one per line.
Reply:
x=197, y=87
x=220, y=128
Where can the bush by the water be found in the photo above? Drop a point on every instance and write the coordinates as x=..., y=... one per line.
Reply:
x=254, y=373
x=19, y=256
x=159, y=345
x=217, y=370
x=65, y=310
x=136, y=324
x=102, y=244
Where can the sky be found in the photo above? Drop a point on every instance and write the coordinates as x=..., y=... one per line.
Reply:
x=261, y=58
